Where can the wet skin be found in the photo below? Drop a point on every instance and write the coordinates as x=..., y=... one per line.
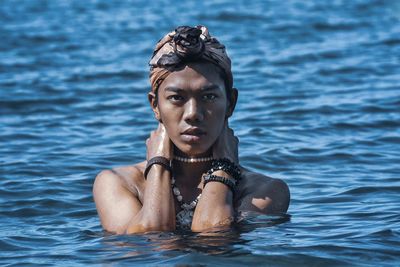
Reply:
x=192, y=107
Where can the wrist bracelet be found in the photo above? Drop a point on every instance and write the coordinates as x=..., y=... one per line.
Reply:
x=227, y=166
x=160, y=161
x=215, y=178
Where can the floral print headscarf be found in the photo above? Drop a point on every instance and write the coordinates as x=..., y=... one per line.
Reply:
x=187, y=44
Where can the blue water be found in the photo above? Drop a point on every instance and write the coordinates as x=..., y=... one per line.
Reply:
x=319, y=107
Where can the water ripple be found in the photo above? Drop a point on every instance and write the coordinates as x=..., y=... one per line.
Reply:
x=318, y=107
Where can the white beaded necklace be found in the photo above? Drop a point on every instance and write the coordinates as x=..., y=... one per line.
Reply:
x=193, y=160
x=185, y=216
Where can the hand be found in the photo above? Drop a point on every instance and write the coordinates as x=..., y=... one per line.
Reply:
x=159, y=144
x=226, y=145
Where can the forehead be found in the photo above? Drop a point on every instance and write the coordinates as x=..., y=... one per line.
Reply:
x=196, y=75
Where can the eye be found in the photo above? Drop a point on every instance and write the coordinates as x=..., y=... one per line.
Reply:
x=175, y=98
x=209, y=97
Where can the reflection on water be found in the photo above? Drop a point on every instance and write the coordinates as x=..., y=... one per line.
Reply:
x=217, y=242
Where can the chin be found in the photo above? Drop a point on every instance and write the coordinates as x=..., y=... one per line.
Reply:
x=194, y=150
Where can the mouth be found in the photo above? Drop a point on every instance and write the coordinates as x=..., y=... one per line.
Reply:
x=193, y=134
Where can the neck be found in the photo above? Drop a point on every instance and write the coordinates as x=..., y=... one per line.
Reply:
x=179, y=153
x=188, y=174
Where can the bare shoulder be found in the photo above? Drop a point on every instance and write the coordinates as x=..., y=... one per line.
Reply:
x=260, y=193
x=117, y=194
x=130, y=177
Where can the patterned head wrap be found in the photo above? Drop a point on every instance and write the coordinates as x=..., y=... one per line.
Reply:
x=187, y=44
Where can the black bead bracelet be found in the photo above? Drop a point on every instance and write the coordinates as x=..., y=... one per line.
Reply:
x=215, y=178
x=160, y=161
x=227, y=166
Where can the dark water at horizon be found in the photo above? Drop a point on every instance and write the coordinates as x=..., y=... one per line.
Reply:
x=319, y=107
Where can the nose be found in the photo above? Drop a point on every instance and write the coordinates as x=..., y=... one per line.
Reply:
x=193, y=112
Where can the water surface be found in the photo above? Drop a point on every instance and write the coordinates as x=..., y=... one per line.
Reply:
x=319, y=107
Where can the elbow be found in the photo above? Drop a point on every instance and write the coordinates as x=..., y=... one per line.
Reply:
x=141, y=224
x=149, y=227
x=215, y=221
x=212, y=226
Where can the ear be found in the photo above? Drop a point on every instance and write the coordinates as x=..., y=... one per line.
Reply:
x=152, y=97
x=232, y=100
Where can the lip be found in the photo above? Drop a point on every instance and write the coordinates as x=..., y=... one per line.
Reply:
x=193, y=134
x=194, y=131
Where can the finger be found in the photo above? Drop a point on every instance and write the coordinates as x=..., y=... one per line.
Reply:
x=162, y=129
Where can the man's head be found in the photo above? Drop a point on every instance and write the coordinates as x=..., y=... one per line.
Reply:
x=192, y=92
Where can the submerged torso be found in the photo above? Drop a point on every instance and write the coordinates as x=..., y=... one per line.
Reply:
x=133, y=179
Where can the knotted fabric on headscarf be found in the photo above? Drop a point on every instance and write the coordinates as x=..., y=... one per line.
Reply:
x=186, y=44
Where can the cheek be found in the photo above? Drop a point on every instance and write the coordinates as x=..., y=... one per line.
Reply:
x=170, y=119
x=217, y=119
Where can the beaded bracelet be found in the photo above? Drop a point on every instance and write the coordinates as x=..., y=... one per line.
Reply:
x=215, y=178
x=227, y=166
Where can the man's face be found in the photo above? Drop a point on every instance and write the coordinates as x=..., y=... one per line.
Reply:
x=192, y=105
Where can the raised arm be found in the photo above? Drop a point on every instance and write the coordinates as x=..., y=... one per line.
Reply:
x=215, y=207
x=120, y=211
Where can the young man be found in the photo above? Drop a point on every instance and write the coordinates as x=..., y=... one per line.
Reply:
x=191, y=177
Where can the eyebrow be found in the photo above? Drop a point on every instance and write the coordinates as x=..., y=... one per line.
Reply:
x=210, y=87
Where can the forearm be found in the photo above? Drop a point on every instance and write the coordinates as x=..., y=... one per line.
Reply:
x=215, y=207
x=158, y=210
